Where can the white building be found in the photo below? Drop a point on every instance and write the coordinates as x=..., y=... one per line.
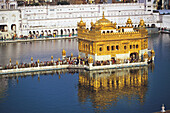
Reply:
x=9, y=18
x=165, y=21
x=62, y=19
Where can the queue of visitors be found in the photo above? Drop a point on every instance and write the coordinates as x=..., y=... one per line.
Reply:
x=68, y=61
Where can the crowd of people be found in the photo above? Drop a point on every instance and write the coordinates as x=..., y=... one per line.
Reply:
x=31, y=36
x=67, y=61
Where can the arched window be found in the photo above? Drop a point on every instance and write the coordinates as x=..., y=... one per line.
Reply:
x=108, y=48
x=133, y=46
x=113, y=48
x=117, y=47
x=137, y=46
x=107, y=31
x=122, y=30
x=130, y=46
x=100, y=49
x=124, y=47
x=61, y=32
x=103, y=31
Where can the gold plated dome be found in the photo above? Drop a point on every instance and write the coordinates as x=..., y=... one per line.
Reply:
x=104, y=21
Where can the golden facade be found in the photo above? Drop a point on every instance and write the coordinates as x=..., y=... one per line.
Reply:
x=105, y=88
x=104, y=38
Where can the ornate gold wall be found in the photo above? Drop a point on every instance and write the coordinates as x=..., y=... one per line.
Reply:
x=112, y=47
x=104, y=38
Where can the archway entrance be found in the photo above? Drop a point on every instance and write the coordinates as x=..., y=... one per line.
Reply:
x=65, y=32
x=61, y=32
x=55, y=33
x=153, y=26
x=13, y=27
x=134, y=57
x=3, y=28
x=72, y=31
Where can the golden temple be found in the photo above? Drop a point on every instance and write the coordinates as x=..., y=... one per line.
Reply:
x=104, y=40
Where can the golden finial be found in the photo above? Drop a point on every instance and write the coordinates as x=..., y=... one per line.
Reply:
x=64, y=52
x=10, y=60
x=79, y=57
x=51, y=57
x=31, y=58
x=81, y=20
x=59, y=59
x=38, y=61
x=103, y=14
x=16, y=62
x=71, y=54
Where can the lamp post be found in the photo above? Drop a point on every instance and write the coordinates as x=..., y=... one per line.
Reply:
x=16, y=64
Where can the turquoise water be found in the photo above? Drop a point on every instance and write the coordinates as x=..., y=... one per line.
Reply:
x=130, y=90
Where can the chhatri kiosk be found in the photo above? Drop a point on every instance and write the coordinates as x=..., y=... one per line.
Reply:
x=104, y=41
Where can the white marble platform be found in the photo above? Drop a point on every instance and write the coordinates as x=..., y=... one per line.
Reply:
x=57, y=67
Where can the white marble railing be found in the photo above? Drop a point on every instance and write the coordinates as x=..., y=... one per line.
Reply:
x=90, y=67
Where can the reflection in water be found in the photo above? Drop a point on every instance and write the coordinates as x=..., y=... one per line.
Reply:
x=3, y=87
x=107, y=87
x=38, y=74
x=42, y=50
x=103, y=88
